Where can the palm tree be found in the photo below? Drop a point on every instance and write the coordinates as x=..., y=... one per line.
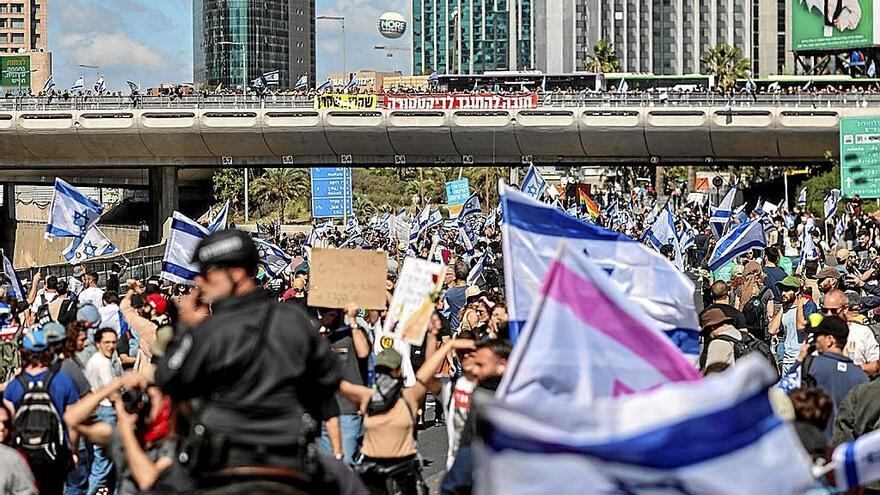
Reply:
x=604, y=58
x=281, y=185
x=727, y=64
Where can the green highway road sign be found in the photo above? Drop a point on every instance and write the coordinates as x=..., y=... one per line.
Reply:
x=860, y=156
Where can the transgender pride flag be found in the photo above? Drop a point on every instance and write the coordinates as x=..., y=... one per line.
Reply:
x=585, y=339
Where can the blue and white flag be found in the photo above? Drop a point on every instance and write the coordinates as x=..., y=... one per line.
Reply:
x=532, y=233
x=716, y=436
x=302, y=82
x=686, y=238
x=802, y=197
x=470, y=207
x=177, y=265
x=435, y=220
x=750, y=85
x=133, y=86
x=272, y=78
x=721, y=215
x=492, y=218
x=839, y=230
x=16, y=289
x=352, y=224
x=93, y=245
x=533, y=184
x=79, y=85
x=857, y=463
x=100, y=86
x=220, y=222
x=808, y=249
x=272, y=258
x=323, y=87
x=465, y=241
x=742, y=239
x=433, y=78
x=72, y=213
x=352, y=82
x=830, y=203
x=49, y=84
x=663, y=232
x=624, y=87
x=477, y=269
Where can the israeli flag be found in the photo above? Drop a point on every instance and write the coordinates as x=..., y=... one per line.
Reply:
x=715, y=436
x=721, y=215
x=272, y=258
x=133, y=86
x=470, y=207
x=830, y=203
x=872, y=69
x=477, y=269
x=50, y=83
x=492, y=218
x=532, y=233
x=433, y=78
x=302, y=82
x=93, y=245
x=624, y=87
x=435, y=220
x=742, y=239
x=221, y=221
x=839, y=230
x=750, y=84
x=352, y=224
x=808, y=249
x=802, y=197
x=323, y=87
x=857, y=463
x=272, y=78
x=100, y=86
x=424, y=216
x=686, y=236
x=177, y=265
x=79, y=84
x=533, y=184
x=16, y=289
x=72, y=213
x=544, y=85
x=662, y=232
x=465, y=241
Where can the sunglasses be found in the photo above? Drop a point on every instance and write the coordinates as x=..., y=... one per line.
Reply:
x=831, y=311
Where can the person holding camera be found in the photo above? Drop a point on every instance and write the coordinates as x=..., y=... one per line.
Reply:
x=143, y=442
x=256, y=377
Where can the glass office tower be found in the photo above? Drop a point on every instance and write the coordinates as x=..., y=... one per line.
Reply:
x=236, y=41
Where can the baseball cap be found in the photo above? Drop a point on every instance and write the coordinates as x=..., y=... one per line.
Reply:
x=712, y=317
x=834, y=326
x=827, y=272
x=472, y=291
x=158, y=302
x=389, y=359
x=89, y=314
x=790, y=281
x=35, y=341
x=55, y=332
x=78, y=271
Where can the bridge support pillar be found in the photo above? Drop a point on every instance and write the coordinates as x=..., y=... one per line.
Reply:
x=164, y=195
x=8, y=223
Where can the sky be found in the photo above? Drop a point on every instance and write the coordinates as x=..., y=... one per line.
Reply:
x=150, y=41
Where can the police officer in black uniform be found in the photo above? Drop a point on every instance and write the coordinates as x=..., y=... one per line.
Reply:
x=256, y=377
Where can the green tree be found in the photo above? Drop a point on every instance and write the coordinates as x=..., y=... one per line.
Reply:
x=727, y=64
x=604, y=58
x=281, y=185
x=229, y=185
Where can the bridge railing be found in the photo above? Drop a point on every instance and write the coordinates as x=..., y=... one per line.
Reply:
x=548, y=100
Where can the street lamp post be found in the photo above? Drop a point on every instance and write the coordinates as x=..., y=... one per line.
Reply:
x=341, y=20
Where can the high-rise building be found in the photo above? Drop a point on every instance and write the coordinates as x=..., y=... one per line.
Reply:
x=236, y=41
x=472, y=36
x=771, y=45
x=24, y=58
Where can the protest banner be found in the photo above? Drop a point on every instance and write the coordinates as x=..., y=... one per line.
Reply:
x=346, y=102
x=457, y=192
x=459, y=101
x=413, y=302
x=399, y=229
x=342, y=276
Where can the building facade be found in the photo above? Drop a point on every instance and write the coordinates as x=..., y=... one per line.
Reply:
x=236, y=41
x=472, y=36
x=669, y=37
x=25, y=62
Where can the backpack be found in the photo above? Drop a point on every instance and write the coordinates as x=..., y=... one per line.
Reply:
x=756, y=315
x=67, y=312
x=749, y=345
x=43, y=316
x=39, y=434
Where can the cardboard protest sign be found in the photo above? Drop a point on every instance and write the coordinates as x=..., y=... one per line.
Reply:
x=341, y=276
x=413, y=302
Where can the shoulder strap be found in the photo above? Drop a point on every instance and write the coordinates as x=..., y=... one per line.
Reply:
x=23, y=381
x=727, y=338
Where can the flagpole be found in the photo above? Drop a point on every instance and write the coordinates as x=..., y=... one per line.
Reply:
x=785, y=182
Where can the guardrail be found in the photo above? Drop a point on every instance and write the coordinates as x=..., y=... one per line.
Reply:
x=551, y=100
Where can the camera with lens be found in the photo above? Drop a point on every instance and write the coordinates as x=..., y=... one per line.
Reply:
x=137, y=402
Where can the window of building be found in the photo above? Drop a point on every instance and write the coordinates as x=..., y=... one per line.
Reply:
x=18, y=38
x=17, y=8
x=17, y=23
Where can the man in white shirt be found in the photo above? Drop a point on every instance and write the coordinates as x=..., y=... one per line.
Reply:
x=74, y=282
x=101, y=370
x=861, y=345
x=45, y=295
x=91, y=294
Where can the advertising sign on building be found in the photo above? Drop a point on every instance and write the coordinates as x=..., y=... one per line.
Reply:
x=456, y=101
x=331, y=192
x=860, y=157
x=346, y=102
x=819, y=25
x=15, y=72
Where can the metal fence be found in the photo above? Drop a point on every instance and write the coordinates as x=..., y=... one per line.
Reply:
x=548, y=100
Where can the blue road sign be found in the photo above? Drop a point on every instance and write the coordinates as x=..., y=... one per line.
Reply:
x=331, y=192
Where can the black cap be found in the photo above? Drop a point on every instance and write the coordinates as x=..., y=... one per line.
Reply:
x=226, y=249
x=834, y=326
